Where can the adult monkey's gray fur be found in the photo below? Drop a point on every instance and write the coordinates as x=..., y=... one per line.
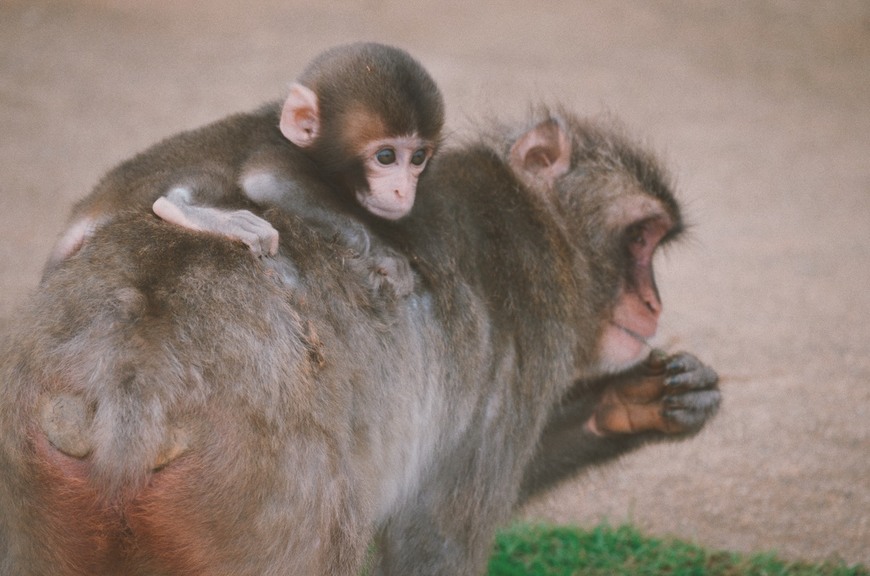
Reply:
x=169, y=404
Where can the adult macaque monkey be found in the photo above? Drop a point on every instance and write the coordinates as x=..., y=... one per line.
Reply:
x=357, y=128
x=167, y=407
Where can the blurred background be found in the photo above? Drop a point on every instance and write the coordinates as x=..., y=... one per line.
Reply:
x=760, y=109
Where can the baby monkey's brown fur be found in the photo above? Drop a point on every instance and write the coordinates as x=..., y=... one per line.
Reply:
x=354, y=134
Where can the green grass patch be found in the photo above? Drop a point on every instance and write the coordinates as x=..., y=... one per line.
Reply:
x=531, y=550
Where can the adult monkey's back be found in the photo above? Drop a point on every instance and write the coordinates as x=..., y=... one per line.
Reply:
x=170, y=405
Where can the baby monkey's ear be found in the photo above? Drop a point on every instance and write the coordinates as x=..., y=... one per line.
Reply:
x=300, y=116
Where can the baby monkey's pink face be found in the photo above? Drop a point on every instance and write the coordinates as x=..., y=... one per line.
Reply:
x=355, y=135
x=392, y=167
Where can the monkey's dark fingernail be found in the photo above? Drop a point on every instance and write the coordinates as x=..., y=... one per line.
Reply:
x=674, y=367
x=658, y=355
x=657, y=360
x=673, y=402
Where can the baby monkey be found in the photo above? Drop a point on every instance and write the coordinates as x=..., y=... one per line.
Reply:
x=358, y=127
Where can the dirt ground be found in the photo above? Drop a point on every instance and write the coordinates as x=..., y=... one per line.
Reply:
x=762, y=110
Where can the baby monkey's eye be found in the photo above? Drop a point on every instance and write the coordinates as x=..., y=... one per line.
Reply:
x=385, y=156
x=419, y=157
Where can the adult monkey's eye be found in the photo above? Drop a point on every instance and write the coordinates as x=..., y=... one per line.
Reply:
x=419, y=157
x=386, y=156
x=635, y=235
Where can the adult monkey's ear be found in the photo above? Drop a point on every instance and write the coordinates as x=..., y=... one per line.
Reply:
x=542, y=154
x=300, y=116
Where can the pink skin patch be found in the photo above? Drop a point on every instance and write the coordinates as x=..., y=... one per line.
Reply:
x=635, y=317
x=393, y=166
x=74, y=238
